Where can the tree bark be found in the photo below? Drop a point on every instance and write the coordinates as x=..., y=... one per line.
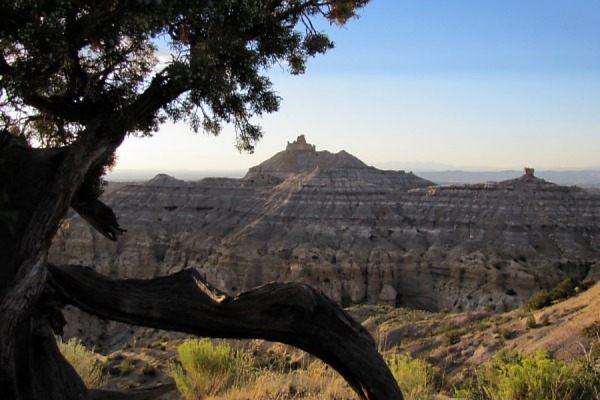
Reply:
x=40, y=189
x=290, y=313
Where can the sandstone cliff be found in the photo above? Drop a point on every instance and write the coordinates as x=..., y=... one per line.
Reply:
x=360, y=234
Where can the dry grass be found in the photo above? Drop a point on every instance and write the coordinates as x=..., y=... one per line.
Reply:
x=317, y=381
x=453, y=342
x=560, y=330
x=565, y=332
x=85, y=362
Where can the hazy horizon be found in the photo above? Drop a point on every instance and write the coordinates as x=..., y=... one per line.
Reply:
x=441, y=176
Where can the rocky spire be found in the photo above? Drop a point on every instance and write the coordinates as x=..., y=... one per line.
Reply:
x=528, y=172
x=300, y=145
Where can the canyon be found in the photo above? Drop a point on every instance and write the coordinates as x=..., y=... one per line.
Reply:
x=359, y=234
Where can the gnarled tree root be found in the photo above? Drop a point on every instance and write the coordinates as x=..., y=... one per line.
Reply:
x=290, y=313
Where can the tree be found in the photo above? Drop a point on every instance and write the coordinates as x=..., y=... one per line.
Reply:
x=77, y=78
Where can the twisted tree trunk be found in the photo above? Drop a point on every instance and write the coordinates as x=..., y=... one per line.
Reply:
x=39, y=188
x=36, y=190
x=291, y=313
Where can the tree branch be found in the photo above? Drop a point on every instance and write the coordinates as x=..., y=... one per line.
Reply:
x=294, y=314
x=165, y=87
x=62, y=108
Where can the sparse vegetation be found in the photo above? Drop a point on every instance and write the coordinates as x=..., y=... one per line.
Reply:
x=592, y=330
x=416, y=377
x=509, y=376
x=530, y=322
x=122, y=368
x=542, y=298
x=507, y=334
x=586, y=283
x=204, y=369
x=148, y=370
x=84, y=361
x=545, y=321
x=482, y=324
x=316, y=381
x=416, y=345
x=207, y=371
x=513, y=377
x=538, y=300
x=563, y=290
x=452, y=337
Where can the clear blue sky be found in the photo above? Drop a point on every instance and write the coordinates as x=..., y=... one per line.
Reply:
x=466, y=84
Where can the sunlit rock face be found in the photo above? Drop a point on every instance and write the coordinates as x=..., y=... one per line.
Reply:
x=360, y=234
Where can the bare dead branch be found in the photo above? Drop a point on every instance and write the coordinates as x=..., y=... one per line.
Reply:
x=290, y=313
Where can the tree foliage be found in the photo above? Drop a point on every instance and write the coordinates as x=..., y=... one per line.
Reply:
x=64, y=62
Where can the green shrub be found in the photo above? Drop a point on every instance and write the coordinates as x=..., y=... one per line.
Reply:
x=450, y=333
x=276, y=361
x=542, y=298
x=148, y=370
x=482, y=324
x=452, y=337
x=84, y=361
x=592, y=330
x=507, y=334
x=204, y=369
x=530, y=322
x=538, y=300
x=512, y=377
x=415, y=376
x=563, y=290
x=587, y=283
x=123, y=368
x=545, y=320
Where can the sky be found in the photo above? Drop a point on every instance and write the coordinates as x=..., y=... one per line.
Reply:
x=427, y=84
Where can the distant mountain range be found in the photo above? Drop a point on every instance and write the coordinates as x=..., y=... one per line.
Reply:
x=590, y=177
x=566, y=177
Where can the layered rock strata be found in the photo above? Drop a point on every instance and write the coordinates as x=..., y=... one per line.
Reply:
x=360, y=234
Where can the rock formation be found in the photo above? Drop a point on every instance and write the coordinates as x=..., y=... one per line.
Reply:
x=360, y=234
